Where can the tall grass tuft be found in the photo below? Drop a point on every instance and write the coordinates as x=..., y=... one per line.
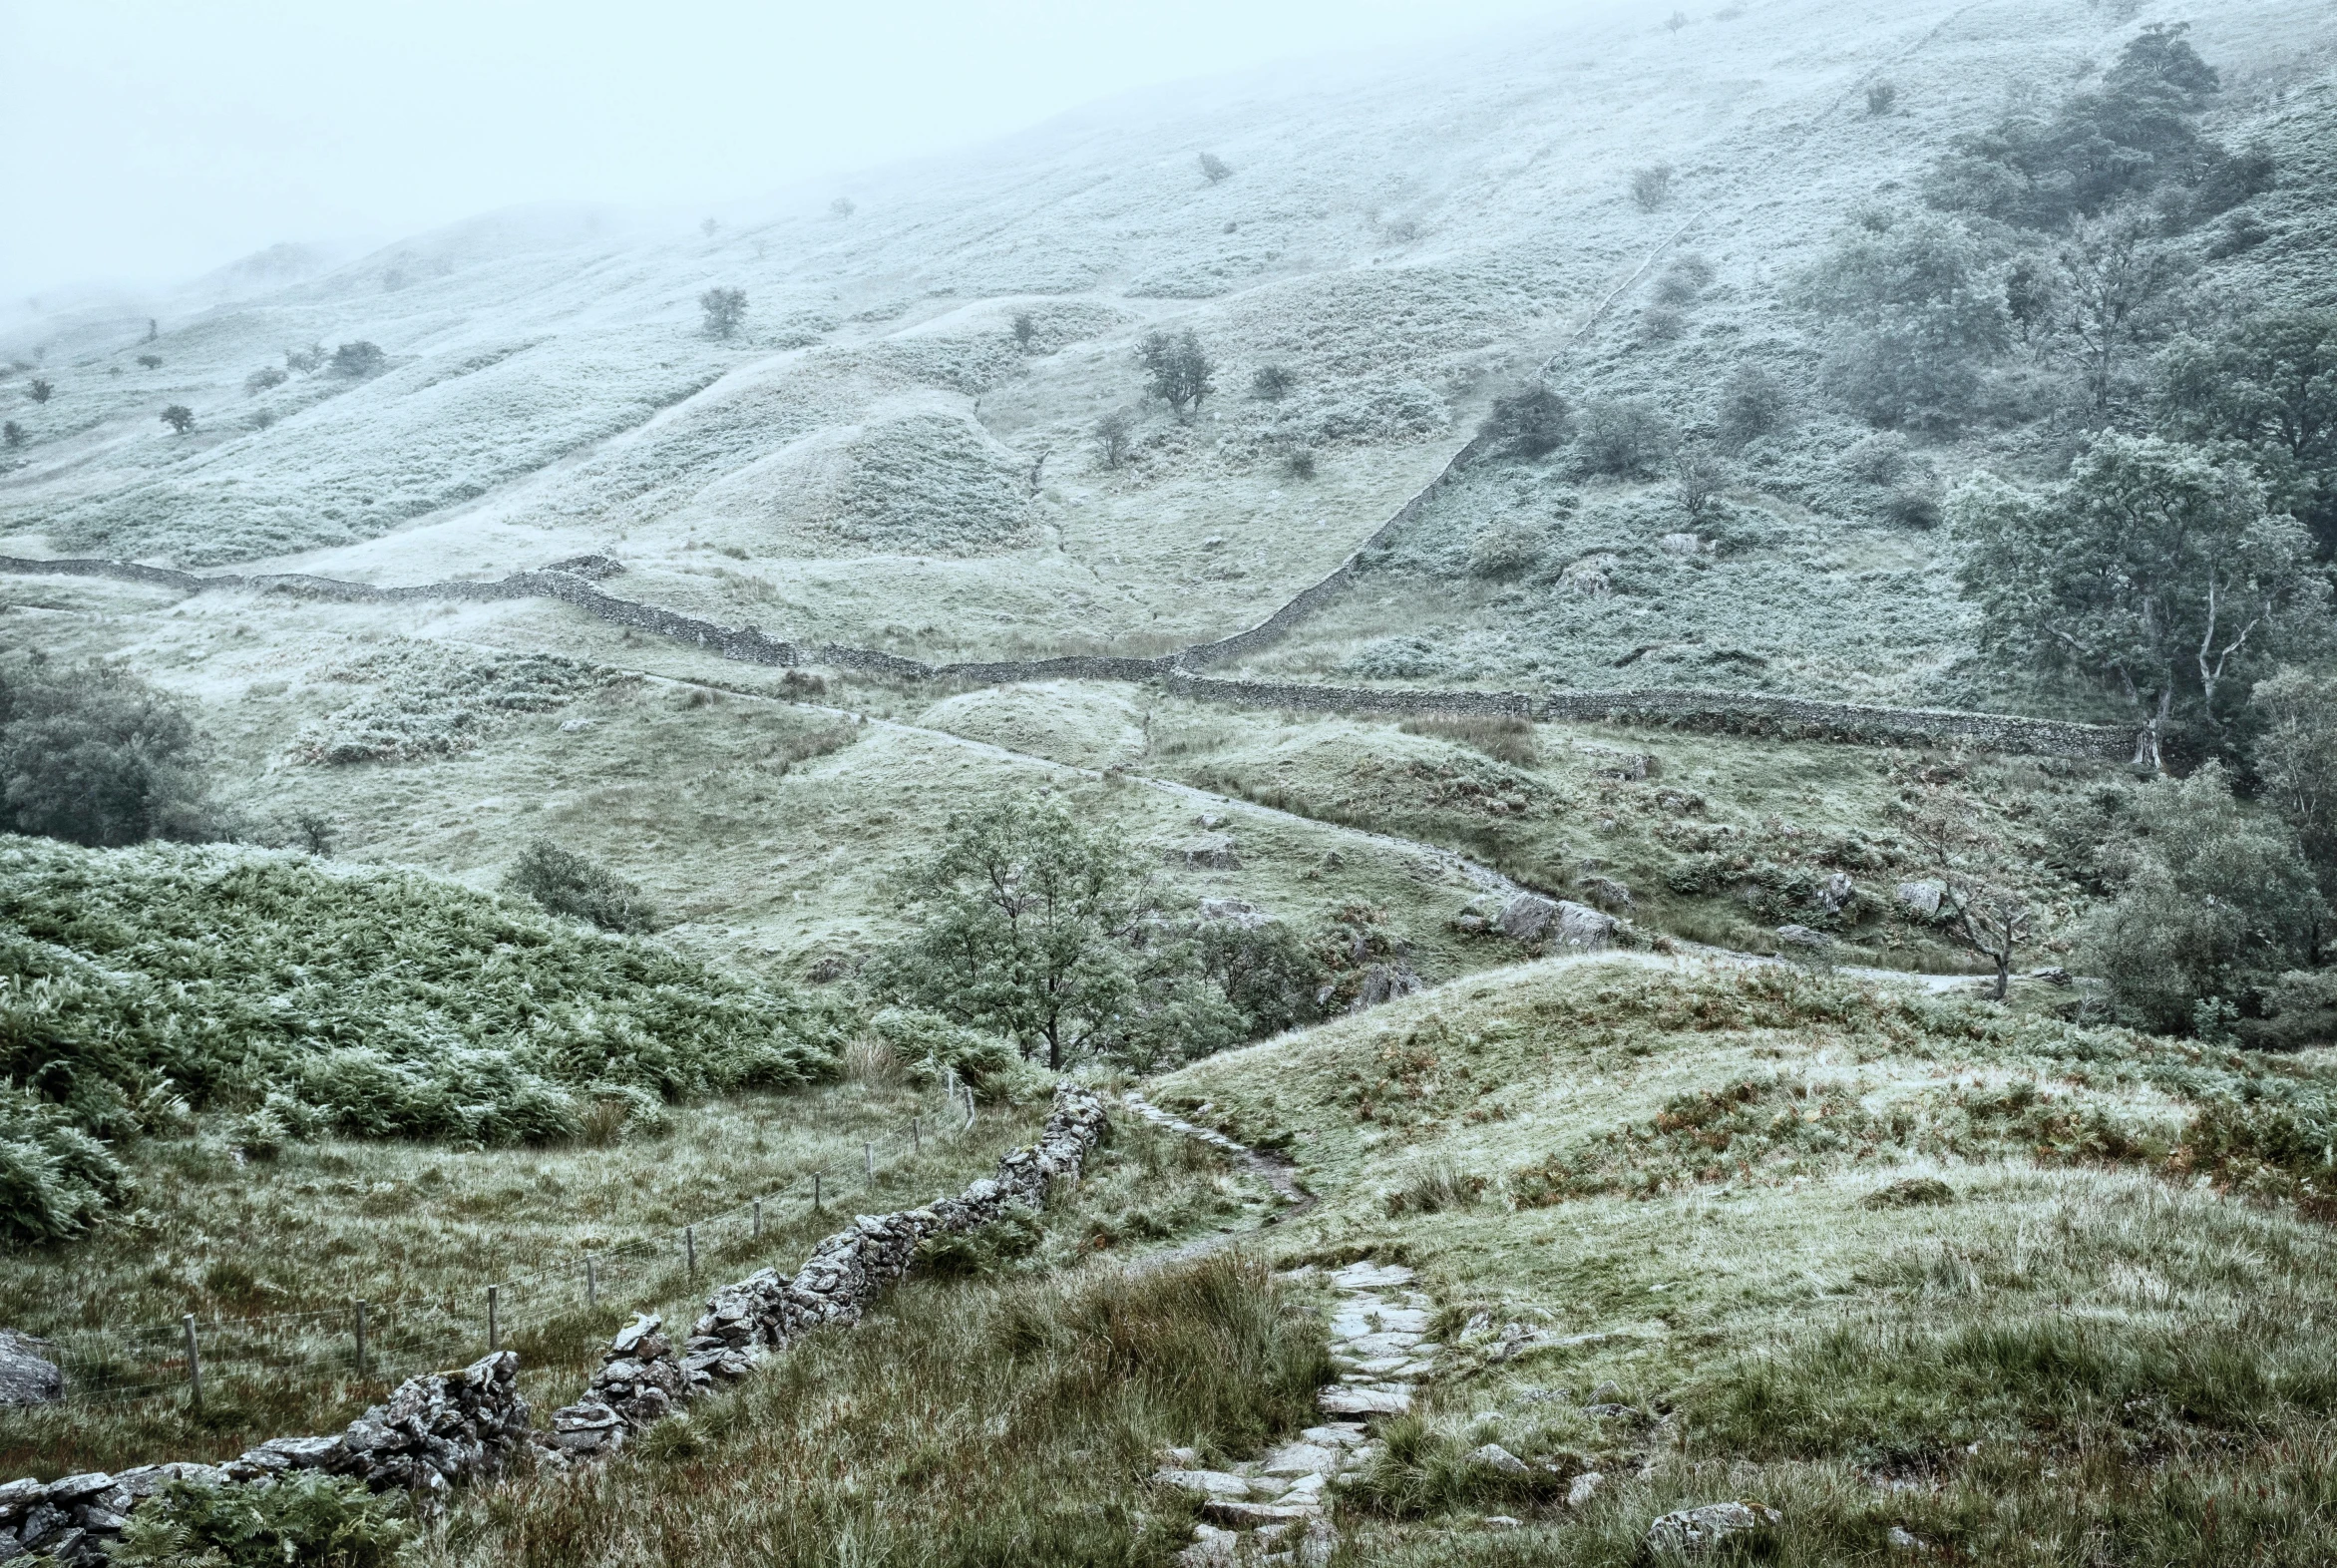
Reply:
x=1502, y=737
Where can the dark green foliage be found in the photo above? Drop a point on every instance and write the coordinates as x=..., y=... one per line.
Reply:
x=2295, y=759
x=358, y=360
x=2270, y=385
x=1910, y=1193
x=12, y=433
x=1752, y=403
x=986, y=1249
x=566, y=883
x=2153, y=572
x=2221, y=902
x=1177, y=369
x=1270, y=974
x=1624, y=437
x=927, y=1043
x=1529, y=422
x=1423, y=1472
x=55, y=1178
x=2136, y=132
x=389, y=1004
x=180, y=418
x=1272, y=382
x=94, y=755
x=1916, y=310
x=303, y=1518
x=1215, y=168
x=40, y=391
x=1651, y=186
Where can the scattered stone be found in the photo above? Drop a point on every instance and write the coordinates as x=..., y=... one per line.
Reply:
x=1607, y=894
x=1901, y=1540
x=1209, y=820
x=1835, y=892
x=1210, y=1483
x=1693, y=1532
x=1680, y=543
x=1210, y=853
x=1363, y=1401
x=1922, y=896
x=2052, y=975
x=1302, y=1458
x=1249, y=1515
x=1803, y=936
x=1502, y=1521
x=1583, y=1488
x=1495, y=1457
x=1235, y=912
x=26, y=1376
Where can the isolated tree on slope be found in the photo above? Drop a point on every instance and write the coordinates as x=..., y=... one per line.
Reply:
x=180, y=418
x=725, y=308
x=2154, y=573
x=1177, y=369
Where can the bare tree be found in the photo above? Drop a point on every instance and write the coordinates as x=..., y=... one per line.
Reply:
x=1879, y=98
x=2116, y=278
x=180, y=418
x=1702, y=477
x=1215, y=168
x=1271, y=382
x=708, y=227
x=39, y=390
x=12, y=433
x=1676, y=21
x=1025, y=330
x=1976, y=907
x=724, y=309
x=1111, y=435
x=1651, y=186
x=842, y=208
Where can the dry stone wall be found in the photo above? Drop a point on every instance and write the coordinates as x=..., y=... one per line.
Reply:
x=436, y=1431
x=571, y=583
x=644, y=1377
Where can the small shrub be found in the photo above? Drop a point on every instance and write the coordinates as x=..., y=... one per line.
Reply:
x=871, y=1064
x=1501, y=551
x=1623, y=437
x=1271, y=382
x=1215, y=168
x=1880, y=96
x=1435, y=1189
x=305, y=360
x=1299, y=462
x=1913, y=1191
x=358, y=360
x=40, y=391
x=1024, y=329
x=725, y=310
x=566, y=883
x=12, y=433
x=1529, y=422
x=1111, y=437
x=150, y=361
x=1501, y=736
x=1651, y=186
x=1914, y=509
x=1879, y=459
x=264, y=377
x=842, y=208
x=303, y=1517
x=180, y=418
x=925, y=1045
x=1702, y=478
x=985, y=1248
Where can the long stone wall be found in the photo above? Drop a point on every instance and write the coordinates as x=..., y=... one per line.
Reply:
x=446, y=1429
x=748, y=644
x=643, y=1378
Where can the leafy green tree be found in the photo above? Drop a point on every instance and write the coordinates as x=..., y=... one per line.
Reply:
x=1752, y=403
x=180, y=418
x=1177, y=369
x=1624, y=437
x=1029, y=923
x=2154, y=573
x=95, y=756
x=2295, y=757
x=2270, y=385
x=1915, y=310
x=2117, y=282
x=2218, y=906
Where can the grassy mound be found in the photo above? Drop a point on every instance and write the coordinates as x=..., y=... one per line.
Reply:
x=1882, y=1260
x=383, y=1004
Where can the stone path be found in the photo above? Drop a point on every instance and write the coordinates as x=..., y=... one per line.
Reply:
x=1275, y=1509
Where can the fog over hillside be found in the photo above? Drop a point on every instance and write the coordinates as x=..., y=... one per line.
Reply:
x=1542, y=707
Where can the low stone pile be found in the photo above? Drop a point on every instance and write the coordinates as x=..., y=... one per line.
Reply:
x=435, y=1432
x=643, y=1378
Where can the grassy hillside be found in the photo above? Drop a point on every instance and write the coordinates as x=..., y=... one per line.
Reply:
x=2024, y=1290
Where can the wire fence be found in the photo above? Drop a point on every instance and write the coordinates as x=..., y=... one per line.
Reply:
x=385, y=1341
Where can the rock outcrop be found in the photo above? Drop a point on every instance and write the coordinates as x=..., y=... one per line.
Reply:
x=26, y=1376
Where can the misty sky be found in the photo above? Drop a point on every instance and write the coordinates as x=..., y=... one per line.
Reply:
x=153, y=140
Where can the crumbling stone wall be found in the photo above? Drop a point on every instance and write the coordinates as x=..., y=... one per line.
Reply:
x=644, y=1377
x=436, y=1431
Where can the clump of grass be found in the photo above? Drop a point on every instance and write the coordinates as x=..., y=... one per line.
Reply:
x=873, y=1062
x=1502, y=737
x=1913, y=1192
x=1438, y=1187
